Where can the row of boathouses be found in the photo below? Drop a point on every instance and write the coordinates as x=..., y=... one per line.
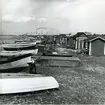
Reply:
x=92, y=44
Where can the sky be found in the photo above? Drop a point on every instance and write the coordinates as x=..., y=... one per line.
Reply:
x=52, y=16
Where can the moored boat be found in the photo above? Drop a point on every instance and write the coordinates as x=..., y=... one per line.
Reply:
x=17, y=83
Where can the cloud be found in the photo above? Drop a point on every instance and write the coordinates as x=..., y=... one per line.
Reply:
x=24, y=19
x=64, y=15
x=11, y=18
x=17, y=10
x=42, y=19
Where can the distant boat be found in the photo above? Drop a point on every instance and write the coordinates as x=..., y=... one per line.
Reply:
x=17, y=47
x=56, y=54
x=19, y=83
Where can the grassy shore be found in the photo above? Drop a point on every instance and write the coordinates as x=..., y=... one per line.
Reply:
x=82, y=85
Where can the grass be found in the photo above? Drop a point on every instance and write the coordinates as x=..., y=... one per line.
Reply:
x=82, y=85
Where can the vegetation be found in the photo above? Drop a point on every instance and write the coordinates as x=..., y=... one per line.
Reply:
x=82, y=85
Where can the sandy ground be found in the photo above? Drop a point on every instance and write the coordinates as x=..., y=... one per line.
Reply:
x=82, y=85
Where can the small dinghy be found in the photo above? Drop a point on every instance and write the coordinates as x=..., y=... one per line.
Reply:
x=19, y=83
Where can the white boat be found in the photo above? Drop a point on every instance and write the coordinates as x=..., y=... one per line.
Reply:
x=19, y=83
x=15, y=61
x=15, y=53
x=16, y=47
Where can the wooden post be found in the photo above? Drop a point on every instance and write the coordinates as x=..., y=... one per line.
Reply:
x=32, y=67
x=90, y=52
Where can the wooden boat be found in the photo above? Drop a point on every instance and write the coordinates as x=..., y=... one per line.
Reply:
x=56, y=54
x=15, y=59
x=19, y=83
x=10, y=62
x=15, y=53
x=16, y=47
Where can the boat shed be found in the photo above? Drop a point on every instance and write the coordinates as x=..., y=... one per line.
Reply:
x=96, y=46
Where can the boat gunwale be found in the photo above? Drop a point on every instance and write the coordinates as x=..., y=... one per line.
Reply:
x=15, y=58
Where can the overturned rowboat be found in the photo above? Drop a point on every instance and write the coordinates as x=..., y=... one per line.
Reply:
x=19, y=83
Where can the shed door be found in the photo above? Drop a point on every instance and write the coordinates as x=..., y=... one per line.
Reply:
x=97, y=47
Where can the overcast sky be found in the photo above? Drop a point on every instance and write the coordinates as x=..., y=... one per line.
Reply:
x=58, y=16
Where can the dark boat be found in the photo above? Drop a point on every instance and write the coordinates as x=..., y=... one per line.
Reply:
x=56, y=54
x=10, y=62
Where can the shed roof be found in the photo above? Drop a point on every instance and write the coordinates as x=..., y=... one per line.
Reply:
x=92, y=38
x=87, y=34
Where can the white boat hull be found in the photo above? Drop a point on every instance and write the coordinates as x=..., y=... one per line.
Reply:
x=16, y=83
x=16, y=53
x=16, y=47
x=16, y=64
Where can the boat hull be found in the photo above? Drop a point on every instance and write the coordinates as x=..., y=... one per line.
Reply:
x=17, y=83
x=16, y=47
x=15, y=62
x=16, y=53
